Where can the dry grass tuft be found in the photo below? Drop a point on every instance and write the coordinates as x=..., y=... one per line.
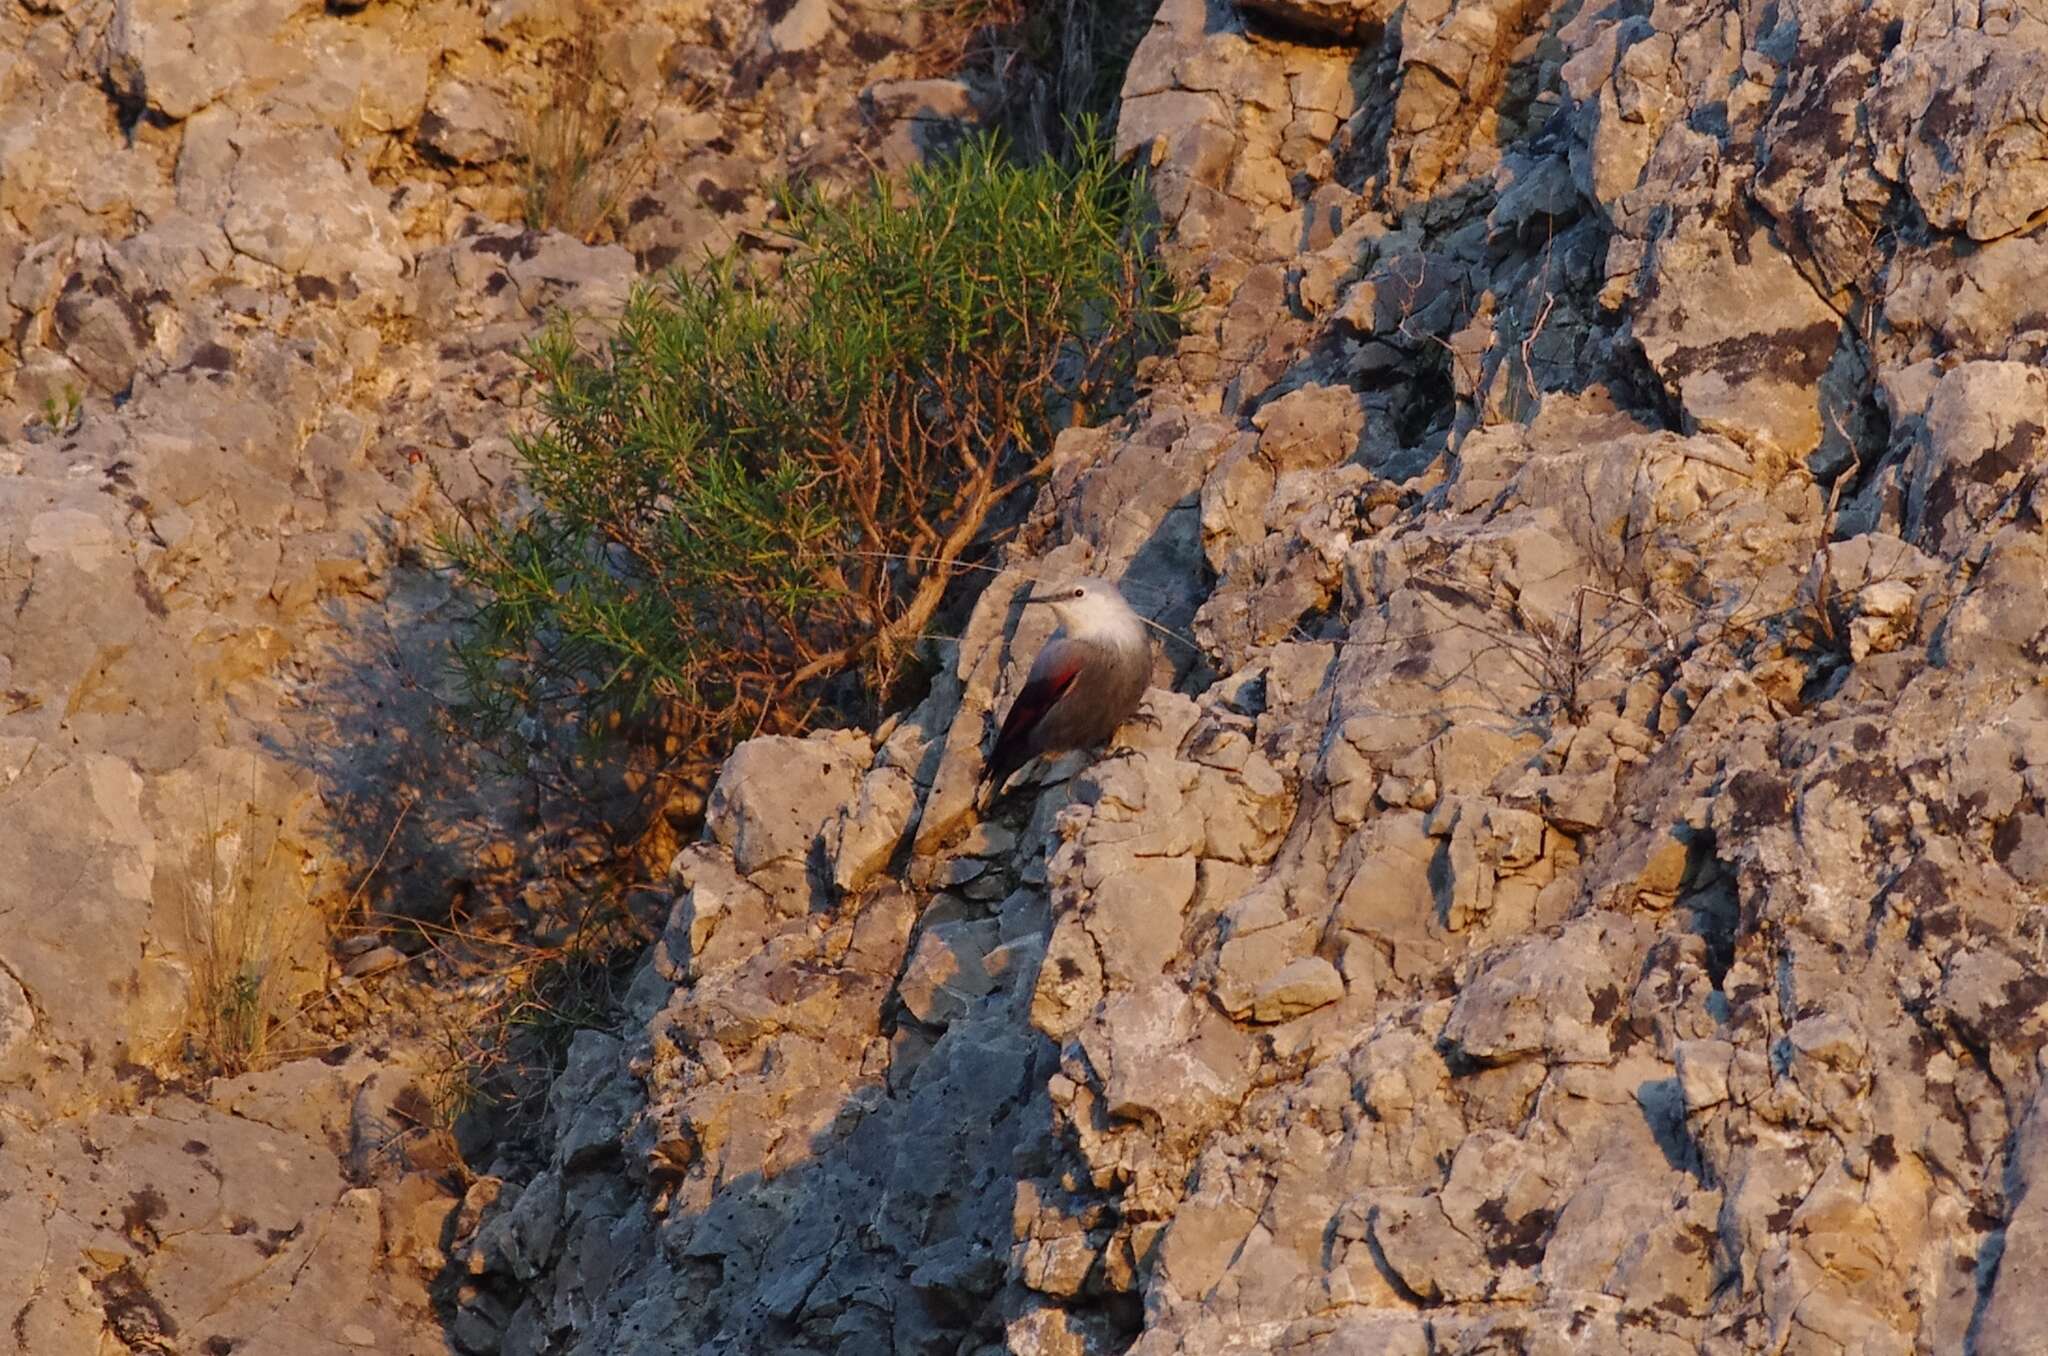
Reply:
x=580, y=154
x=240, y=1002
x=526, y=1002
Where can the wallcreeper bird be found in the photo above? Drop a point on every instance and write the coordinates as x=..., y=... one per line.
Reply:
x=1086, y=681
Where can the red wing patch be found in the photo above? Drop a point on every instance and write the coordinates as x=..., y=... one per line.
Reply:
x=1012, y=749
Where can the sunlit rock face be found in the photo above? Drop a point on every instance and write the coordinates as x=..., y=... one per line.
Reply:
x=267, y=271
x=1578, y=891
x=1575, y=884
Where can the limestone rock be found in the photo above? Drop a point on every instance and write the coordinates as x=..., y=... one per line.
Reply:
x=102, y=328
x=1586, y=856
x=467, y=123
x=1554, y=997
x=17, y=1019
x=2012, y=1321
x=861, y=840
x=1427, y=1252
x=1301, y=986
x=1959, y=123
x=180, y=56
x=1573, y=884
x=1986, y=426
x=750, y=812
x=920, y=118
x=947, y=971
x=295, y=204
x=1747, y=368
x=803, y=26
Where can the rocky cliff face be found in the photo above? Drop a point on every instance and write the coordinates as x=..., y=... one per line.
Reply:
x=1578, y=887
x=264, y=281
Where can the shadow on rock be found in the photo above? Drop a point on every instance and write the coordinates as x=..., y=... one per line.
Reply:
x=850, y=1182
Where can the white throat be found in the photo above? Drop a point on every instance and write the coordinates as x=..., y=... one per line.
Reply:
x=1106, y=620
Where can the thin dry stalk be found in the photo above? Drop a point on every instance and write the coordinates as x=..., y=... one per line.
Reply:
x=580, y=157
x=238, y=1005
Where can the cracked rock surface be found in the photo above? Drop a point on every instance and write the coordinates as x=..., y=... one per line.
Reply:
x=1577, y=883
x=264, y=285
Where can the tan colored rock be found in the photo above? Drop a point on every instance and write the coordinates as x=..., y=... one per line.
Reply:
x=1958, y=122
x=182, y=56
x=1749, y=371
x=467, y=123
x=1556, y=997
x=1507, y=420
x=1301, y=986
x=946, y=972
x=751, y=815
x=294, y=203
x=1429, y=1255
x=867, y=833
x=804, y=25
x=1987, y=423
x=1135, y=913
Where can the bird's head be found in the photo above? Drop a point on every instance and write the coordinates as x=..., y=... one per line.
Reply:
x=1088, y=606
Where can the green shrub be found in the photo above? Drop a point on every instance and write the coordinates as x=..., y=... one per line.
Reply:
x=748, y=501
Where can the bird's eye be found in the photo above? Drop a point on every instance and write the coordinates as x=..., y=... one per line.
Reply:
x=1077, y=593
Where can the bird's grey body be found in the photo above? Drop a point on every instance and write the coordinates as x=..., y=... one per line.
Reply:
x=1085, y=683
x=1112, y=681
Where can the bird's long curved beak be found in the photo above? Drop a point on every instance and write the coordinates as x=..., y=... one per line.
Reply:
x=1041, y=598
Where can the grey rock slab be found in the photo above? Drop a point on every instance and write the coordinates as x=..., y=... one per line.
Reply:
x=1253, y=959
x=866, y=834
x=181, y=55
x=1200, y=1241
x=1314, y=426
x=1986, y=426
x=803, y=26
x=940, y=100
x=1301, y=986
x=17, y=1020
x=101, y=328
x=922, y=118
x=307, y=1098
x=555, y=271
x=295, y=203
x=1739, y=336
x=1959, y=121
x=775, y=794
x=1135, y=912
x=192, y=1224
x=2014, y=1322
x=947, y=971
x=1554, y=998
x=1974, y=301
x=1166, y=1059
x=468, y=123
x=1427, y=1252
x=179, y=254
x=71, y=902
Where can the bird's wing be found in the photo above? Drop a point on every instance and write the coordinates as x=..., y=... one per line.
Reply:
x=1052, y=674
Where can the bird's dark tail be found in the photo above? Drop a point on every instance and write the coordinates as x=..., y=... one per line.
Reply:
x=990, y=786
x=996, y=773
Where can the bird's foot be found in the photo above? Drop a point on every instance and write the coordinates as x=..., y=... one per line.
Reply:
x=1143, y=716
